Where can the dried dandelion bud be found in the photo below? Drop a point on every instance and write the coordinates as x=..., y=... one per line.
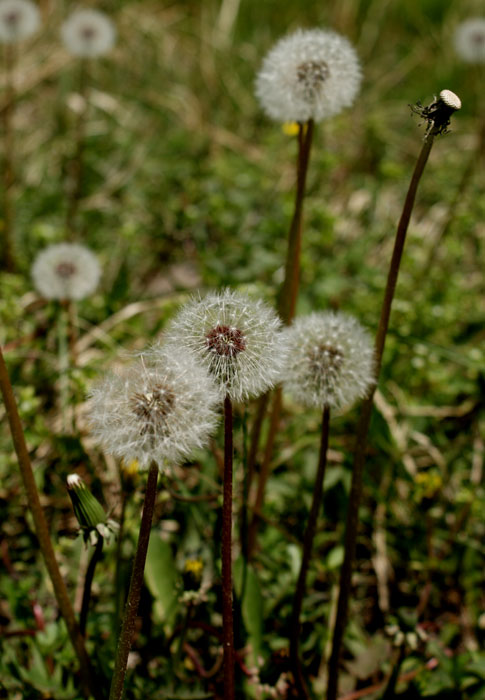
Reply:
x=19, y=19
x=469, y=40
x=438, y=114
x=237, y=339
x=330, y=361
x=160, y=408
x=89, y=512
x=88, y=33
x=66, y=271
x=310, y=74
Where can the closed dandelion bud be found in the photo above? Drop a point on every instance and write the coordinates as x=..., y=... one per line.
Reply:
x=469, y=40
x=19, y=19
x=310, y=74
x=89, y=512
x=88, y=33
x=236, y=339
x=159, y=409
x=330, y=360
x=66, y=271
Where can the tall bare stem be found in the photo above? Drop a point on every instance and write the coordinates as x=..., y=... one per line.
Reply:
x=437, y=124
x=227, y=611
x=136, y=583
x=286, y=308
x=295, y=628
x=42, y=532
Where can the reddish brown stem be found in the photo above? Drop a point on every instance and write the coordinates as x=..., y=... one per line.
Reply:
x=42, y=532
x=136, y=583
x=364, y=422
x=295, y=629
x=227, y=612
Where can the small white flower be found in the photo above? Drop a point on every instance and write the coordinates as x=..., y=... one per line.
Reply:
x=237, y=339
x=159, y=408
x=469, y=40
x=66, y=271
x=88, y=33
x=18, y=20
x=330, y=361
x=310, y=74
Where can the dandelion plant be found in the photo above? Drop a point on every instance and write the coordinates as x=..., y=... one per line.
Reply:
x=238, y=341
x=156, y=412
x=330, y=365
x=307, y=77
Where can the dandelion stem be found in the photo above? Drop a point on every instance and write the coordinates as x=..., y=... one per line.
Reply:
x=136, y=583
x=88, y=582
x=227, y=612
x=365, y=417
x=289, y=290
x=306, y=557
x=8, y=262
x=42, y=532
x=76, y=167
x=274, y=421
x=286, y=308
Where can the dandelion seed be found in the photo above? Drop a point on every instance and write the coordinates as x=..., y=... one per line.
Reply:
x=310, y=74
x=330, y=360
x=160, y=408
x=19, y=19
x=88, y=33
x=237, y=339
x=469, y=40
x=66, y=271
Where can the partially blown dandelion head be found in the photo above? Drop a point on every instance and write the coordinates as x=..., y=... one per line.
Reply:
x=160, y=408
x=66, y=271
x=88, y=33
x=469, y=40
x=18, y=20
x=310, y=74
x=330, y=360
x=237, y=339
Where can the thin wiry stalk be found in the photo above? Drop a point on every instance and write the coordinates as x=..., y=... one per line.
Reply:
x=76, y=166
x=365, y=417
x=136, y=583
x=295, y=629
x=42, y=531
x=8, y=262
x=227, y=611
x=88, y=582
x=286, y=308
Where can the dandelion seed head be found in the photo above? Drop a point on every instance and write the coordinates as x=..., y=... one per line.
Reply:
x=469, y=40
x=88, y=33
x=160, y=408
x=19, y=19
x=237, y=339
x=310, y=74
x=66, y=271
x=330, y=360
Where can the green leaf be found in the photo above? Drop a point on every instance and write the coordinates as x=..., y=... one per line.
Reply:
x=161, y=578
x=252, y=605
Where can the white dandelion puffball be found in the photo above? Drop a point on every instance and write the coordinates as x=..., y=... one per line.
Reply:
x=237, y=339
x=19, y=19
x=330, y=360
x=310, y=74
x=159, y=408
x=469, y=40
x=88, y=33
x=66, y=271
